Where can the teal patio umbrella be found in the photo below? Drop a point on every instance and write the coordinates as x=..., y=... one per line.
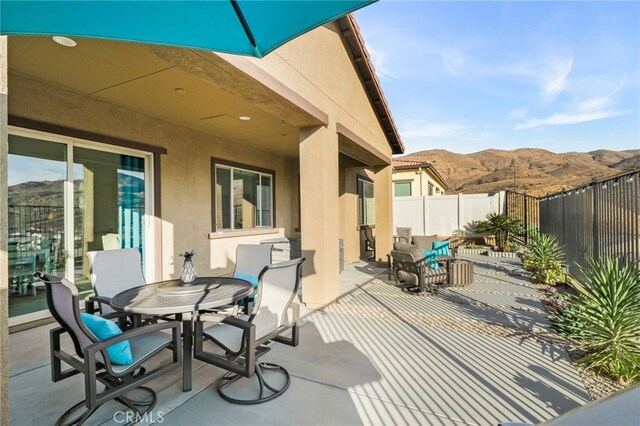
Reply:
x=246, y=27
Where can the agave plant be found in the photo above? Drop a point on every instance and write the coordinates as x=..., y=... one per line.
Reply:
x=604, y=319
x=501, y=226
x=543, y=258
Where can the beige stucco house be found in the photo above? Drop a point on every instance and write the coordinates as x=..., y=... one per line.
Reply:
x=416, y=178
x=173, y=149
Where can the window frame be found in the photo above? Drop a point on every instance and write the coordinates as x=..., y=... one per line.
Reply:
x=366, y=179
x=71, y=139
x=403, y=182
x=431, y=189
x=231, y=166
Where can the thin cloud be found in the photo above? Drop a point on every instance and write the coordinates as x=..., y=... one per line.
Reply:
x=425, y=130
x=380, y=62
x=518, y=114
x=554, y=81
x=453, y=61
x=550, y=75
x=591, y=109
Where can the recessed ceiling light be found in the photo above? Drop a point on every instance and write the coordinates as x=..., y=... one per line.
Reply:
x=180, y=90
x=244, y=118
x=64, y=41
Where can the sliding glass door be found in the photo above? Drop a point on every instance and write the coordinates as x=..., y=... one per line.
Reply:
x=66, y=198
x=37, y=174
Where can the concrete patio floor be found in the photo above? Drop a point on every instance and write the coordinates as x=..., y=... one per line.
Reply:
x=476, y=355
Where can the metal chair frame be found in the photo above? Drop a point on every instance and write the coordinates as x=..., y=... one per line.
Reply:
x=245, y=362
x=405, y=262
x=94, y=363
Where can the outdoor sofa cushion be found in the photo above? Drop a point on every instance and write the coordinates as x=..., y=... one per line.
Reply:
x=409, y=248
x=424, y=241
x=103, y=329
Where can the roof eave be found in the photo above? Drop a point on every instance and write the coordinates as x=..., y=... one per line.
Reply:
x=366, y=71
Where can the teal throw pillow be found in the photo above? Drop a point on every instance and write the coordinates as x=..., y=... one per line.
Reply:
x=103, y=329
x=441, y=247
x=431, y=256
x=250, y=278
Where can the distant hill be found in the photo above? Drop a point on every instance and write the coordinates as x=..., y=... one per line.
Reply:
x=537, y=171
x=51, y=193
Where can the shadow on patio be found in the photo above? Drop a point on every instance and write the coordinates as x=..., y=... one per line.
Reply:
x=376, y=356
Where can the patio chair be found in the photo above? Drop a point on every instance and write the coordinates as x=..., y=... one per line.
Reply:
x=417, y=275
x=369, y=240
x=244, y=338
x=91, y=358
x=110, y=241
x=251, y=259
x=403, y=234
x=111, y=272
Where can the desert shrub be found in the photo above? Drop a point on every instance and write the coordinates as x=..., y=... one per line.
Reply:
x=500, y=226
x=603, y=317
x=543, y=258
x=513, y=246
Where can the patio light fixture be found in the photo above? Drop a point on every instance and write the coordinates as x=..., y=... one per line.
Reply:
x=244, y=118
x=64, y=41
x=180, y=90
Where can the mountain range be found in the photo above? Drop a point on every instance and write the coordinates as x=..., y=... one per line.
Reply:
x=534, y=171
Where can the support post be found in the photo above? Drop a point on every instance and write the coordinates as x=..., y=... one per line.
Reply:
x=384, y=212
x=460, y=210
x=526, y=218
x=4, y=209
x=320, y=215
x=596, y=220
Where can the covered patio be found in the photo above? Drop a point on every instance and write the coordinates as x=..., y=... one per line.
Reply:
x=475, y=355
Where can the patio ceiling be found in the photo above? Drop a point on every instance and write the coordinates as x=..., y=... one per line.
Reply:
x=132, y=76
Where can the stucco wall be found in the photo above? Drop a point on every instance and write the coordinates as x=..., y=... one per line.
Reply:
x=185, y=169
x=317, y=66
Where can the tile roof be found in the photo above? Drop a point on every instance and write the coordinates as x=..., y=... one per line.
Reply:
x=403, y=164
x=364, y=66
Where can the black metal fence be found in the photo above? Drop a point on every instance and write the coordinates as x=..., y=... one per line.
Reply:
x=596, y=221
x=526, y=208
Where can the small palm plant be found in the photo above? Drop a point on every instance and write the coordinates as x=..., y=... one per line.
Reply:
x=501, y=226
x=543, y=258
x=604, y=319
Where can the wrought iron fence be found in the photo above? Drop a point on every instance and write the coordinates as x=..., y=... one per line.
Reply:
x=600, y=220
x=524, y=207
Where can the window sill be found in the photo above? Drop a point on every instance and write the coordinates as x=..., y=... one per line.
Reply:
x=247, y=233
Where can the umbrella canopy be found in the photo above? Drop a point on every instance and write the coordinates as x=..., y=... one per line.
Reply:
x=246, y=27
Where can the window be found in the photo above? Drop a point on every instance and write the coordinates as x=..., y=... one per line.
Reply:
x=430, y=188
x=402, y=189
x=243, y=198
x=367, y=207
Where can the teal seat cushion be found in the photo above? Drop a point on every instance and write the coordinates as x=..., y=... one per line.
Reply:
x=103, y=329
x=441, y=248
x=431, y=256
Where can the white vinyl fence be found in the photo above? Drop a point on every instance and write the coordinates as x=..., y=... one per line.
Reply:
x=444, y=214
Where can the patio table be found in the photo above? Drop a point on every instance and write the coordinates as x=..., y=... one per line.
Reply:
x=169, y=298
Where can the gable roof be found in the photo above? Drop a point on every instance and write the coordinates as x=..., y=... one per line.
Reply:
x=355, y=43
x=402, y=164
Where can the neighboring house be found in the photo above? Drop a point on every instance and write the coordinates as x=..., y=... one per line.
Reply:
x=416, y=178
x=176, y=149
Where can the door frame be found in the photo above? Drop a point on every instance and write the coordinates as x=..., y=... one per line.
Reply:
x=149, y=222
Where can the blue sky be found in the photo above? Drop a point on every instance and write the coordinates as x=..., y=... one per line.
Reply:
x=468, y=76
